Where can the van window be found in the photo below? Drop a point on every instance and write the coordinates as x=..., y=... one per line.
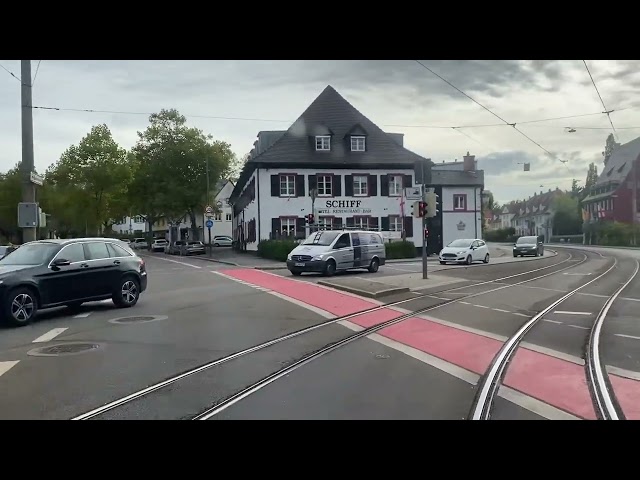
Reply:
x=375, y=239
x=343, y=241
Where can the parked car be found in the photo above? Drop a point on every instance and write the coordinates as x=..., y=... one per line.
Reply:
x=174, y=248
x=139, y=243
x=51, y=273
x=159, y=245
x=192, y=248
x=222, y=241
x=333, y=250
x=528, y=246
x=465, y=250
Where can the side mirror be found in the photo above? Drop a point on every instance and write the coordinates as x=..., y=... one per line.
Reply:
x=61, y=262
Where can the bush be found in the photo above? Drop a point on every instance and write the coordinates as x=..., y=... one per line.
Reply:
x=402, y=249
x=500, y=235
x=276, y=249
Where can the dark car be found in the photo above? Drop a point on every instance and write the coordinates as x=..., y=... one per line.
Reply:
x=51, y=273
x=528, y=246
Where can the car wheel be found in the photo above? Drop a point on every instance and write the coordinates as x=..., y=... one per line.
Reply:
x=469, y=261
x=375, y=264
x=127, y=293
x=515, y=255
x=330, y=268
x=296, y=273
x=443, y=263
x=486, y=258
x=216, y=244
x=21, y=307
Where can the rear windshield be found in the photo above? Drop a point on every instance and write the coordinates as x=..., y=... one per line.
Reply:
x=527, y=240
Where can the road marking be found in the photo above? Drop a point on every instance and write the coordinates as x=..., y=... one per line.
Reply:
x=534, y=405
x=566, y=312
x=50, y=335
x=520, y=314
x=621, y=372
x=501, y=310
x=578, y=326
x=576, y=273
x=480, y=306
x=465, y=303
x=82, y=315
x=550, y=321
x=626, y=336
x=6, y=366
x=179, y=263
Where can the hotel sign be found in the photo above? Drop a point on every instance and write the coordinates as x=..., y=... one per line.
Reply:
x=340, y=207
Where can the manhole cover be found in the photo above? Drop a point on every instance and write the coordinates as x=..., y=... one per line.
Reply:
x=64, y=349
x=138, y=319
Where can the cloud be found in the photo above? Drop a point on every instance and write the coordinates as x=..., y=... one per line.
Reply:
x=398, y=95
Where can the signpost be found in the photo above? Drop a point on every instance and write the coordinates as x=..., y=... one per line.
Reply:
x=208, y=210
x=422, y=172
x=314, y=194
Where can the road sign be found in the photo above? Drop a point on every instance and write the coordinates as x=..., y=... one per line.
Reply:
x=413, y=193
x=209, y=223
x=208, y=210
x=219, y=204
x=28, y=214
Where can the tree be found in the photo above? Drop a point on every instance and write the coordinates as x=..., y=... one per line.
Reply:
x=566, y=219
x=236, y=166
x=10, y=196
x=609, y=147
x=171, y=167
x=592, y=176
x=95, y=174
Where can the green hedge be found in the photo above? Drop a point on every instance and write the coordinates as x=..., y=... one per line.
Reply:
x=500, y=235
x=276, y=249
x=402, y=249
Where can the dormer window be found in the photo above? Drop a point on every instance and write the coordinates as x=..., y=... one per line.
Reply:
x=323, y=142
x=357, y=144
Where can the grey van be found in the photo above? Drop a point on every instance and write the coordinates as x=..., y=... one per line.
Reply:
x=334, y=250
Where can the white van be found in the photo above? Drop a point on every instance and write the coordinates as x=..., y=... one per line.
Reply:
x=333, y=250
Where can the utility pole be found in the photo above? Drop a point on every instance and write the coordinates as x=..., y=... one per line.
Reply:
x=27, y=166
x=424, y=227
x=207, y=203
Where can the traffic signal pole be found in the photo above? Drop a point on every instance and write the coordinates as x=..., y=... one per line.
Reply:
x=424, y=227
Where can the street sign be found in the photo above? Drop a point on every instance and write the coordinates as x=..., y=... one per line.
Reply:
x=28, y=214
x=36, y=179
x=209, y=223
x=208, y=210
x=219, y=204
x=413, y=193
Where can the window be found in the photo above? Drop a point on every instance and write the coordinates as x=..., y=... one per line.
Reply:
x=97, y=250
x=217, y=217
x=323, y=142
x=343, y=242
x=357, y=144
x=325, y=223
x=361, y=223
x=459, y=202
x=288, y=226
x=325, y=185
x=395, y=185
x=138, y=219
x=116, y=251
x=395, y=224
x=360, y=185
x=73, y=253
x=228, y=217
x=287, y=185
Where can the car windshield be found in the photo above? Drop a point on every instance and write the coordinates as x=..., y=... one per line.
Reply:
x=321, y=238
x=460, y=243
x=31, y=254
x=529, y=240
x=3, y=250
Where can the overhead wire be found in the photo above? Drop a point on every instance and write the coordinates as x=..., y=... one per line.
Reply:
x=10, y=72
x=607, y=112
x=36, y=74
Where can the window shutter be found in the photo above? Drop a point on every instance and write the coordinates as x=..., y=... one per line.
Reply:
x=275, y=186
x=373, y=222
x=384, y=185
x=300, y=230
x=385, y=224
x=351, y=222
x=337, y=185
x=348, y=185
x=299, y=185
x=407, y=181
x=373, y=185
x=408, y=226
x=337, y=223
x=275, y=228
x=313, y=183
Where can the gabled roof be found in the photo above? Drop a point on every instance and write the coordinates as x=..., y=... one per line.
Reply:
x=619, y=165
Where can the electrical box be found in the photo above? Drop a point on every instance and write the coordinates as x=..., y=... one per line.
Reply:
x=28, y=215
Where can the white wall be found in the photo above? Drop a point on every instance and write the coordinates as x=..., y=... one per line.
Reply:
x=222, y=223
x=129, y=226
x=471, y=219
x=250, y=212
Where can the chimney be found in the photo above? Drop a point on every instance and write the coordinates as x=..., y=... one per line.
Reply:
x=469, y=162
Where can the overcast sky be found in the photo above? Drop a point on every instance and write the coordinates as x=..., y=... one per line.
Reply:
x=399, y=96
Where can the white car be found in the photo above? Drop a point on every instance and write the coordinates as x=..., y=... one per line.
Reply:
x=465, y=251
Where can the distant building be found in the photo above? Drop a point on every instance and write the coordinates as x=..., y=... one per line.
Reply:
x=533, y=216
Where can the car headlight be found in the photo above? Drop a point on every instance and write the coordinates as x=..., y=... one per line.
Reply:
x=289, y=257
x=462, y=252
x=317, y=257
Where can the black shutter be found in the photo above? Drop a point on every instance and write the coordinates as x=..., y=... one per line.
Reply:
x=337, y=223
x=275, y=228
x=300, y=230
x=408, y=226
x=384, y=185
x=373, y=185
x=348, y=185
x=385, y=224
x=313, y=183
x=275, y=186
x=407, y=181
x=299, y=185
x=337, y=185
x=351, y=222
x=373, y=223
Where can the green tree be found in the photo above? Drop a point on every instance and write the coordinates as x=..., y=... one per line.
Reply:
x=566, y=219
x=93, y=175
x=170, y=167
x=10, y=196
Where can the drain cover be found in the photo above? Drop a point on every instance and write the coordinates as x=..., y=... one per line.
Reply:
x=138, y=319
x=64, y=349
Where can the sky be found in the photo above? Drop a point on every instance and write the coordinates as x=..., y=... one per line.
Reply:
x=398, y=95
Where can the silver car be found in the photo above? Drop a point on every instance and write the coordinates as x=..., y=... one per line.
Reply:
x=222, y=241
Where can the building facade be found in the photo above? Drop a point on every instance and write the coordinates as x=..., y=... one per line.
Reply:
x=533, y=216
x=359, y=175
x=130, y=225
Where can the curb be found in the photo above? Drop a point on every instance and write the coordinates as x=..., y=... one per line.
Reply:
x=364, y=293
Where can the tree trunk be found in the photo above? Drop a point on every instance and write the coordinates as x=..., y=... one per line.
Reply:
x=195, y=233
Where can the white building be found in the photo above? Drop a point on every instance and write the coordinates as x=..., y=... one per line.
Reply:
x=130, y=225
x=359, y=173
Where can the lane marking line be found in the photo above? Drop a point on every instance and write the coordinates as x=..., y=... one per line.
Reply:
x=50, y=335
x=566, y=312
x=520, y=314
x=583, y=274
x=175, y=261
x=480, y=306
x=82, y=315
x=579, y=326
x=551, y=321
x=626, y=336
x=501, y=310
x=6, y=366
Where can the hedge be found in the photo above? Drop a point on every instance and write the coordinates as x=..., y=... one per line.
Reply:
x=276, y=249
x=402, y=249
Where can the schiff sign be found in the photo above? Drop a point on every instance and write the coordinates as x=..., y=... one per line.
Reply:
x=338, y=207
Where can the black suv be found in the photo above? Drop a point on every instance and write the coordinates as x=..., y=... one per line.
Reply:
x=51, y=273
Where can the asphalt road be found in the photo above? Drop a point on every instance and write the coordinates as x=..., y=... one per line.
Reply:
x=426, y=367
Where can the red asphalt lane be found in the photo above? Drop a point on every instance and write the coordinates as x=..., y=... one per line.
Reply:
x=554, y=381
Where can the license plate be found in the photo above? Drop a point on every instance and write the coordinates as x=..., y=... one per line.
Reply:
x=300, y=264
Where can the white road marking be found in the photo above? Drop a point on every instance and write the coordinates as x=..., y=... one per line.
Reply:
x=520, y=314
x=480, y=306
x=50, y=335
x=578, y=326
x=179, y=263
x=82, y=315
x=6, y=366
x=551, y=321
x=534, y=405
x=501, y=310
x=465, y=303
x=626, y=336
x=577, y=274
x=566, y=312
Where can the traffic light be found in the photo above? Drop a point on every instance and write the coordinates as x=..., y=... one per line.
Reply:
x=419, y=209
x=431, y=205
